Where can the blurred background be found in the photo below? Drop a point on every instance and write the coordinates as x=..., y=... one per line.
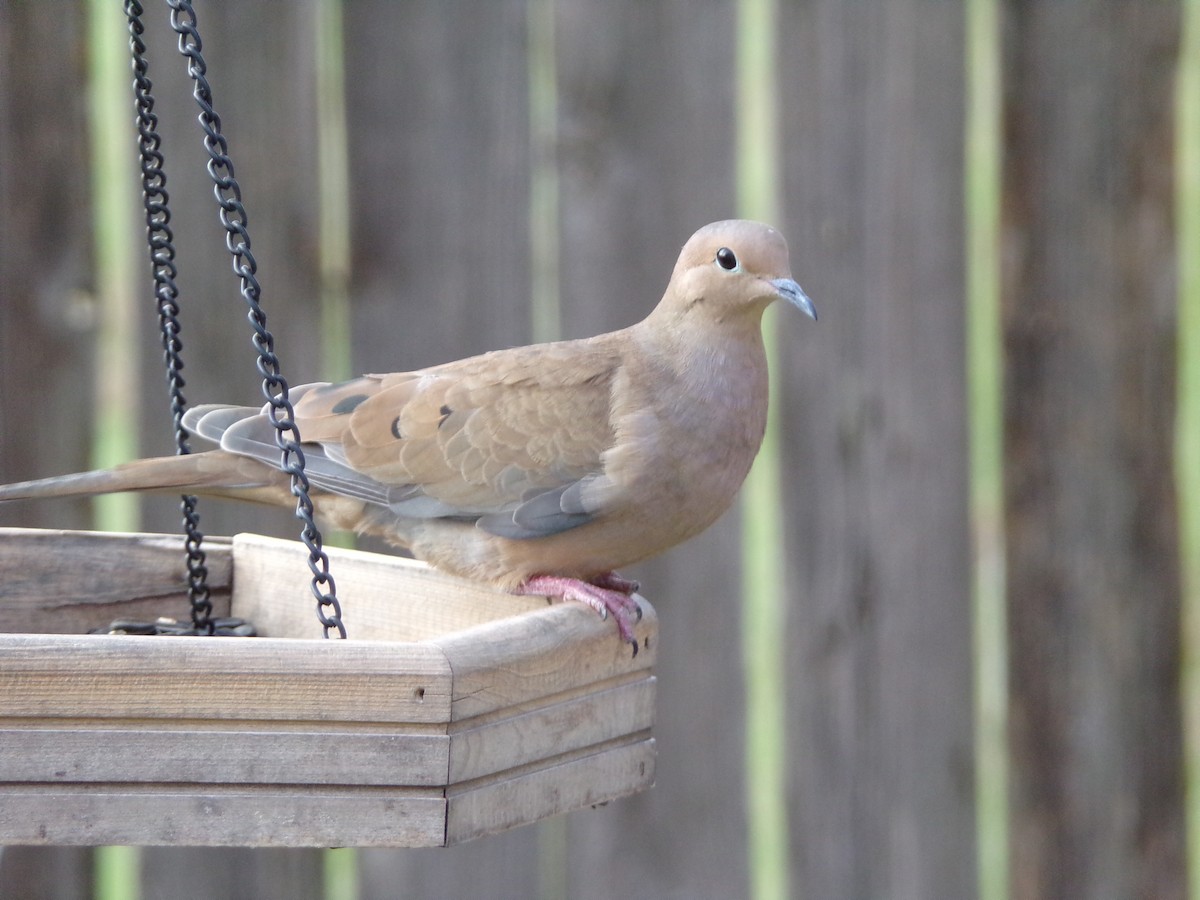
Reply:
x=946, y=647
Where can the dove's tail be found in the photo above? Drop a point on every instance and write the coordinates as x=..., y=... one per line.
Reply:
x=212, y=472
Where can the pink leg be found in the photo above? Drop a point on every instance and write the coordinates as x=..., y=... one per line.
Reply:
x=602, y=597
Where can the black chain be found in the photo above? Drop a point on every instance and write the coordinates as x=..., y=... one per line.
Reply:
x=162, y=261
x=274, y=387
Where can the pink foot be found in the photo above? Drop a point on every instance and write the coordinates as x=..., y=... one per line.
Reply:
x=615, y=582
x=610, y=594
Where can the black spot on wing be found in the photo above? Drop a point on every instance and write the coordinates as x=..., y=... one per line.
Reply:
x=396, y=429
x=445, y=412
x=348, y=404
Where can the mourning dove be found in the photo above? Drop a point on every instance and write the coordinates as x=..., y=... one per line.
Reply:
x=540, y=469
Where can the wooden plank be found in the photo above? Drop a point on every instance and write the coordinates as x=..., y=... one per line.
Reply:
x=47, y=873
x=47, y=324
x=97, y=752
x=264, y=91
x=872, y=408
x=531, y=796
x=572, y=646
x=442, y=268
x=146, y=755
x=71, y=581
x=47, y=329
x=231, y=873
x=222, y=678
x=383, y=597
x=639, y=170
x=1097, y=787
x=207, y=817
x=591, y=718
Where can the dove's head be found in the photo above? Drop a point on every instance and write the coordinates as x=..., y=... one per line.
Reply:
x=734, y=269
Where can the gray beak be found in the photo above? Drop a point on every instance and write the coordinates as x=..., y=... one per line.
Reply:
x=792, y=293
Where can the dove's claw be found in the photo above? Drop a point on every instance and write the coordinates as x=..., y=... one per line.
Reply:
x=603, y=598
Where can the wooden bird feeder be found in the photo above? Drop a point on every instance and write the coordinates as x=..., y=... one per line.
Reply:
x=453, y=712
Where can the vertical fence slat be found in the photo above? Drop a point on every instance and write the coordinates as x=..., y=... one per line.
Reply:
x=646, y=95
x=261, y=70
x=439, y=160
x=872, y=405
x=881, y=740
x=45, y=331
x=1093, y=572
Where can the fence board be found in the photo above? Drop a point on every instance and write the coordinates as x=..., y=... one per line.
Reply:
x=45, y=331
x=259, y=64
x=1093, y=573
x=438, y=103
x=646, y=121
x=872, y=400
x=873, y=411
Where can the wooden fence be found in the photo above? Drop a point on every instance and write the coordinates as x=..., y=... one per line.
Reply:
x=873, y=403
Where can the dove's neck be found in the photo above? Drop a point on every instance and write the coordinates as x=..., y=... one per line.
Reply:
x=695, y=340
x=717, y=370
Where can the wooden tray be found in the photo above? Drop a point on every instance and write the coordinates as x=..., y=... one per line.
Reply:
x=453, y=712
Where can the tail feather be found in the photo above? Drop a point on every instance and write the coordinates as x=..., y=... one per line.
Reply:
x=212, y=472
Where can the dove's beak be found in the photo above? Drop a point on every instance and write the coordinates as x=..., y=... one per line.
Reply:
x=792, y=293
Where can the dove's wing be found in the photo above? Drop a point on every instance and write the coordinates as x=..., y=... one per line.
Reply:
x=514, y=439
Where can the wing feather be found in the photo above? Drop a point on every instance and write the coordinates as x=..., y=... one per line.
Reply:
x=514, y=440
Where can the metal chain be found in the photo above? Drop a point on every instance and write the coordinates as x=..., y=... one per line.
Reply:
x=274, y=387
x=162, y=262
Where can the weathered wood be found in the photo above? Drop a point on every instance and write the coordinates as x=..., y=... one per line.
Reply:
x=67, y=582
x=47, y=325
x=1093, y=574
x=574, y=784
x=120, y=676
x=161, y=740
x=233, y=873
x=573, y=651
x=479, y=748
x=47, y=873
x=260, y=65
x=646, y=117
x=46, y=322
x=872, y=409
x=440, y=153
x=90, y=751
x=382, y=597
x=306, y=816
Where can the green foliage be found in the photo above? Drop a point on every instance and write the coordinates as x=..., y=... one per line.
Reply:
x=985, y=414
x=764, y=599
x=1187, y=425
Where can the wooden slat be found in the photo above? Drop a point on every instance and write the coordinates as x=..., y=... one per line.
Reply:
x=206, y=817
x=573, y=647
x=222, y=678
x=53, y=755
x=574, y=784
x=872, y=411
x=1099, y=753
x=278, y=741
x=71, y=581
x=383, y=597
x=582, y=721
x=313, y=817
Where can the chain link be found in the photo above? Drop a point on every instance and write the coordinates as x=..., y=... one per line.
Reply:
x=161, y=243
x=275, y=389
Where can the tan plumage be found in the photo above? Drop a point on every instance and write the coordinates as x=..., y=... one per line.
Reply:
x=541, y=468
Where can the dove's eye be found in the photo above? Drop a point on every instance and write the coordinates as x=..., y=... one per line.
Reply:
x=726, y=259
